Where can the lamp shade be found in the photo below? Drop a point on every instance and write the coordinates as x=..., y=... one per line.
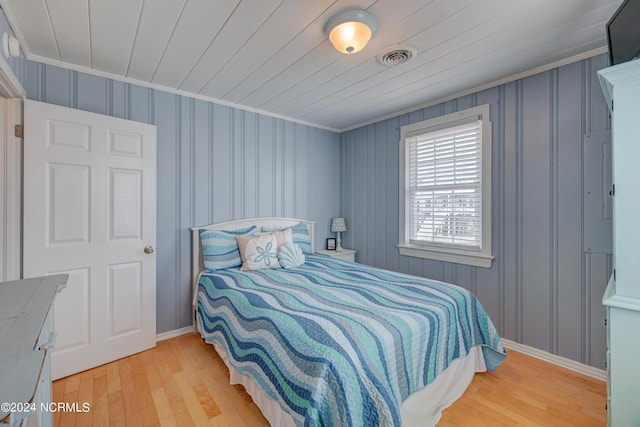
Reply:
x=350, y=31
x=338, y=224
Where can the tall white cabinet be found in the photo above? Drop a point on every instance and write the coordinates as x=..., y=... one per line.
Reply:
x=621, y=85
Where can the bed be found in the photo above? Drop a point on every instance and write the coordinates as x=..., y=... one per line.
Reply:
x=330, y=342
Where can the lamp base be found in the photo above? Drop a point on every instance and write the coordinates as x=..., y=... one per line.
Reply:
x=338, y=242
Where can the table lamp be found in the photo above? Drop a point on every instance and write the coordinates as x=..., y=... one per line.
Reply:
x=338, y=225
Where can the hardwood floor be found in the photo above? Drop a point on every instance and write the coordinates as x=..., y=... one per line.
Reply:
x=183, y=382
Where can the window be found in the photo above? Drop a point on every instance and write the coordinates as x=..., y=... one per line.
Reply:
x=445, y=188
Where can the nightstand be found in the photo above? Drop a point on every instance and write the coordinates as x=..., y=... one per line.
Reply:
x=345, y=254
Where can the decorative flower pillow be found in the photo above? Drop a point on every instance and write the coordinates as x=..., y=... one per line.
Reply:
x=300, y=234
x=290, y=255
x=282, y=237
x=258, y=252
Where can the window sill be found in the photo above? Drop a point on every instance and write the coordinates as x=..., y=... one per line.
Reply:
x=473, y=259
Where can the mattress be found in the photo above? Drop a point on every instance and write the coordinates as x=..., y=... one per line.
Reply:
x=338, y=343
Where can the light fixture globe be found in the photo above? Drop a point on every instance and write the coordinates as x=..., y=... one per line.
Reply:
x=349, y=31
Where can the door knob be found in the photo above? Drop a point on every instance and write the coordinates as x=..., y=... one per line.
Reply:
x=148, y=249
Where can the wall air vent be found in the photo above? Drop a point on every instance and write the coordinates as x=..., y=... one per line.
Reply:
x=396, y=55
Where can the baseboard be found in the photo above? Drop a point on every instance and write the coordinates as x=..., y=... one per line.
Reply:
x=175, y=333
x=587, y=370
x=581, y=368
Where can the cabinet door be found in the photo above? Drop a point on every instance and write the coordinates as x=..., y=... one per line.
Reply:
x=626, y=178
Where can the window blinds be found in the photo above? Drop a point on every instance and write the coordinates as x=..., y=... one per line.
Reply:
x=444, y=179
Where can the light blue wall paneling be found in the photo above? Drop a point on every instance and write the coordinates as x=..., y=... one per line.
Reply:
x=544, y=288
x=215, y=163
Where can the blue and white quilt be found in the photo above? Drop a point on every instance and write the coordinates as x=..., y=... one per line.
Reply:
x=338, y=343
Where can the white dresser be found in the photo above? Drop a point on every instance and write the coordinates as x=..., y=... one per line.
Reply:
x=25, y=343
x=621, y=86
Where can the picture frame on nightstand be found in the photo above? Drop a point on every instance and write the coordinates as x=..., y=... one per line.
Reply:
x=331, y=244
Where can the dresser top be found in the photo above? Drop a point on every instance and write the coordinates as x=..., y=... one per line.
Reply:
x=24, y=306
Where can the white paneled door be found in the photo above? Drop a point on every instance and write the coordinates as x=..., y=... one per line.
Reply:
x=90, y=212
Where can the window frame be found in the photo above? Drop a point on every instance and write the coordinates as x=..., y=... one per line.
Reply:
x=445, y=252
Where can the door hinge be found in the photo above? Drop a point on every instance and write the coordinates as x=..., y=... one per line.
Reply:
x=614, y=274
x=19, y=131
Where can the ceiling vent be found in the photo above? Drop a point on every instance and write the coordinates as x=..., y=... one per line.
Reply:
x=396, y=54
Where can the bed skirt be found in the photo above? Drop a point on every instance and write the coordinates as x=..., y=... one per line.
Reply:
x=421, y=409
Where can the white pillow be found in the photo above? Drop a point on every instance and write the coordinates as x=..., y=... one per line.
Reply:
x=258, y=252
x=290, y=255
x=284, y=236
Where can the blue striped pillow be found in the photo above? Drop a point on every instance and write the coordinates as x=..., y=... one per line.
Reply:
x=300, y=234
x=220, y=248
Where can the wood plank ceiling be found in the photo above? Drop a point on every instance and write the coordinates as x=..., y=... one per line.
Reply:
x=273, y=56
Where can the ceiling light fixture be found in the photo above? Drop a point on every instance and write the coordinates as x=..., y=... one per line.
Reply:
x=350, y=31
